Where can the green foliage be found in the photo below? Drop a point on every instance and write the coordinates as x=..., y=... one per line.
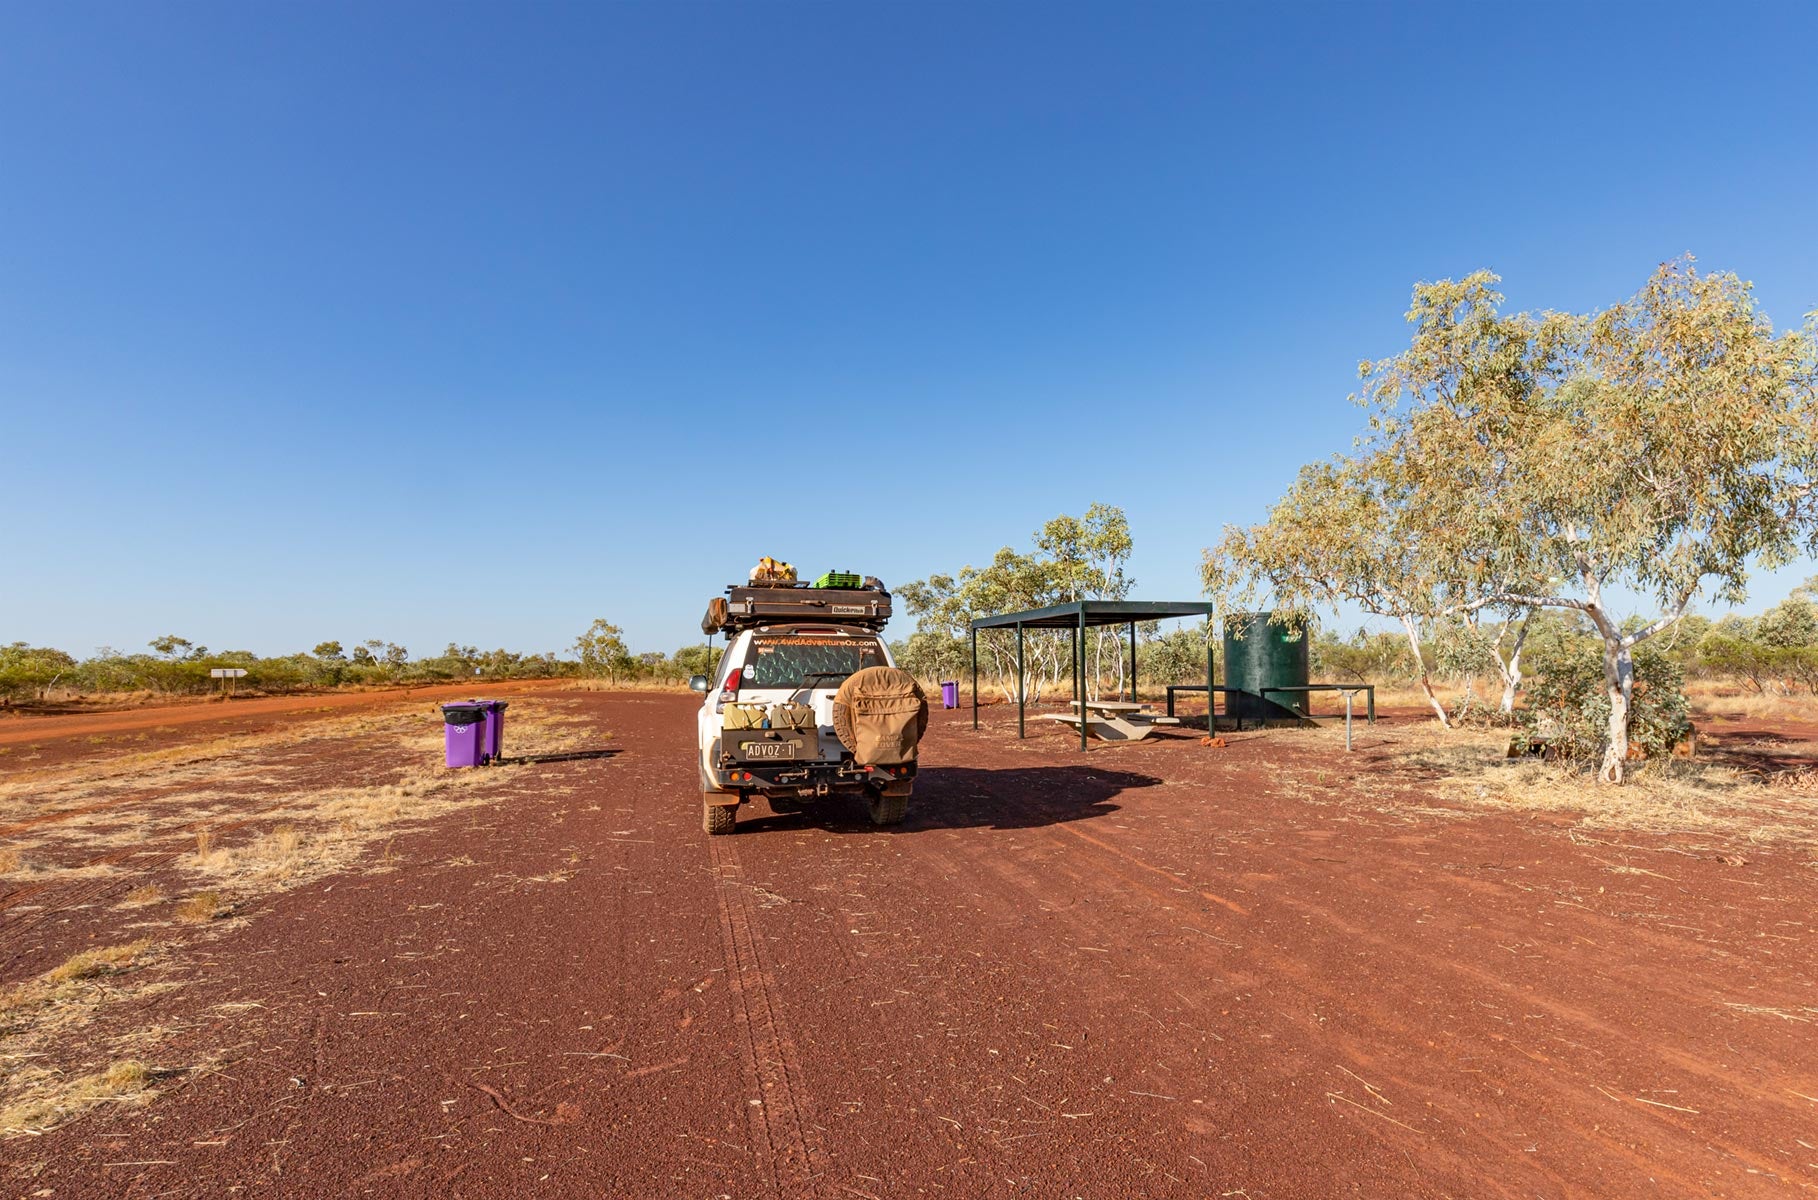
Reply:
x=1662, y=446
x=932, y=654
x=172, y=647
x=1568, y=700
x=1366, y=656
x=26, y=670
x=602, y=652
x=1792, y=622
x=699, y=659
x=1177, y=656
x=1074, y=558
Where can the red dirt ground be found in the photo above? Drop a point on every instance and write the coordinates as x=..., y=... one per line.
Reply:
x=65, y=736
x=1147, y=970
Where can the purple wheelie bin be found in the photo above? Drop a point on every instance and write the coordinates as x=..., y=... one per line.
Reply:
x=950, y=694
x=464, y=734
x=495, y=727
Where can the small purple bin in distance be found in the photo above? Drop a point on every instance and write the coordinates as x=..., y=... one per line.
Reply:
x=950, y=694
x=464, y=734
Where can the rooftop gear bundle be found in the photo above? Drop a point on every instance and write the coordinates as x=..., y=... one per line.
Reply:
x=863, y=604
x=771, y=573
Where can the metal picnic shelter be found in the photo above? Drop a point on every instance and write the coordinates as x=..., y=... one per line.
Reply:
x=1080, y=615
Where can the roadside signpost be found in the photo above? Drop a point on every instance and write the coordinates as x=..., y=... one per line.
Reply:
x=229, y=674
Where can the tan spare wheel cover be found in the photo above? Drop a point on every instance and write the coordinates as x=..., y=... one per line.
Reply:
x=880, y=714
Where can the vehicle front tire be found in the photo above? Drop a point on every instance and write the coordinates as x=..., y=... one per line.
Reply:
x=717, y=819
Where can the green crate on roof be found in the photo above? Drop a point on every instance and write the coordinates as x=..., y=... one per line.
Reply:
x=838, y=579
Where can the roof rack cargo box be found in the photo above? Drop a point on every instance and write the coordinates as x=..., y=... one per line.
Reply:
x=747, y=607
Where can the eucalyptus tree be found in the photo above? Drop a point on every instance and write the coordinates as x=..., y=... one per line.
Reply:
x=1013, y=581
x=1681, y=447
x=1088, y=555
x=1074, y=558
x=1656, y=448
x=603, y=653
x=1340, y=534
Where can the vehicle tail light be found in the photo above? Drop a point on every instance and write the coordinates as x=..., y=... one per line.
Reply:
x=731, y=691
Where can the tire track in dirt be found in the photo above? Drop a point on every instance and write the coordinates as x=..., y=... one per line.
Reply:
x=779, y=1134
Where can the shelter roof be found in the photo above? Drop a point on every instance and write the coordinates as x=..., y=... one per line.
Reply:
x=1096, y=612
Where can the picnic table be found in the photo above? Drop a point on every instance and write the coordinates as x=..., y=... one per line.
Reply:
x=1112, y=720
x=1349, y=691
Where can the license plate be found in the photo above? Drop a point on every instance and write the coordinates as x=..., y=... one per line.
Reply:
x=769, y=750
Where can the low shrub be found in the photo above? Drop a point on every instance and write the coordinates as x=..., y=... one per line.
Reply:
x=1568, y=702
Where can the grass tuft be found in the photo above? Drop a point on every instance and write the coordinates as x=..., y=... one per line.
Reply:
x=201, y=908
x=91, y=963
x=208, y=853
x=144, y=894
x=122, y=1082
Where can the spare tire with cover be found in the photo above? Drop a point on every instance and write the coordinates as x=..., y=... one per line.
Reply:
x=880, y=714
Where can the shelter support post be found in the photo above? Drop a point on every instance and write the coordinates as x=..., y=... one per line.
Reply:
x=1211, y=725
x=1021, y=696
x=1079, y=672
x=975, y=679
x=1133, y=662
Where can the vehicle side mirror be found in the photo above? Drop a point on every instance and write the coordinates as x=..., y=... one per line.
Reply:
x=697, y=683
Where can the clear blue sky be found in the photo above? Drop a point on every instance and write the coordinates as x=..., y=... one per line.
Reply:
x=439, y=322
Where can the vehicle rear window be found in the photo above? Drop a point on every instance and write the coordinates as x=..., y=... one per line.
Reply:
x=820, y=661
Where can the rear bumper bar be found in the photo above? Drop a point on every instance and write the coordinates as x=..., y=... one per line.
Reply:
x=793, y=776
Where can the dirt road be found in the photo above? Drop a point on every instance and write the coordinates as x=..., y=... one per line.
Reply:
x=225, y=716
x=1152, y=970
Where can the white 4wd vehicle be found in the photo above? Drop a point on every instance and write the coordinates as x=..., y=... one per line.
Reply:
x=778, y=678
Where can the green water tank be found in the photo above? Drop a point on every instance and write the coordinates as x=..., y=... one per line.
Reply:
x=1261, y=655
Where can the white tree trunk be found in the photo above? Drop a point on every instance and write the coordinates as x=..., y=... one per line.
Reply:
x=1619, y=674
x=1420, y=666
x=1511, y=668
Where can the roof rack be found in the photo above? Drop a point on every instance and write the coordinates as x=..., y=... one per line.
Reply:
x=745, y=607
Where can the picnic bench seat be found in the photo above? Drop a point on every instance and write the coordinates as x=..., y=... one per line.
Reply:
x=1113, y=722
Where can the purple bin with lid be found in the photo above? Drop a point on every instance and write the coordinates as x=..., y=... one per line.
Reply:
x=464, y=734
x=495, y=727
x=950, y=694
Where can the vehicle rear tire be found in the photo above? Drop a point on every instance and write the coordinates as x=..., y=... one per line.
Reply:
x=719, y=819
x=887, y=810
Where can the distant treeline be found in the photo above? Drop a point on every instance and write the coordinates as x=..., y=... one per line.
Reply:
x=1773, y=653
x=173, y=665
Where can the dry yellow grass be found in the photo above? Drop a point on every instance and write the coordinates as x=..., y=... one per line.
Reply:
x=1468, y=768
x=10, y=861
x=53, y=1100
x=200, y=909
x=139, y=897
x=91, y=963
x=301, y=832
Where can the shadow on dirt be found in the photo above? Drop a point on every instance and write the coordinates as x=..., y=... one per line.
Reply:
x=565, y=756
x=970, y=798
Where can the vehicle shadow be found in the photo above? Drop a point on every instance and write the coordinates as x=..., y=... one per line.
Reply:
x=969, y=798
x=562, y=756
